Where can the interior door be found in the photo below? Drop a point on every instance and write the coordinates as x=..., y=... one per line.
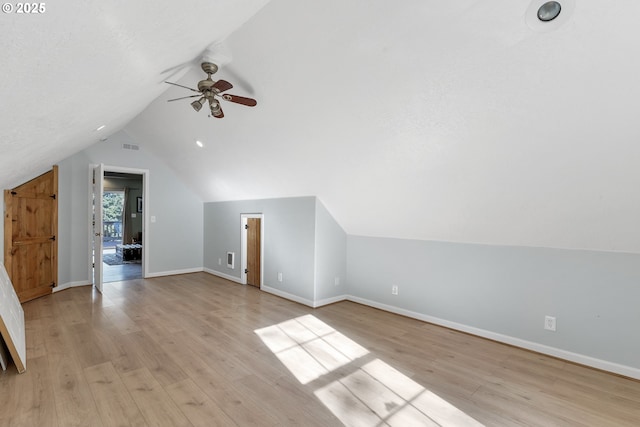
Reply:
x=98, y=191
x=253, y=251
x=30, y=231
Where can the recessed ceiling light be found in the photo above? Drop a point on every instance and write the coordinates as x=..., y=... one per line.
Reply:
x=549, y=11
x=200, y=144
x=101, y=127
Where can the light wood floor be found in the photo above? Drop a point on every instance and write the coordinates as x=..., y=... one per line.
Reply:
x=118, y=273
x=199, y=350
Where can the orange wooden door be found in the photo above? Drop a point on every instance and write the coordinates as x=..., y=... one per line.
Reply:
x=253, y=251
x=30, y=229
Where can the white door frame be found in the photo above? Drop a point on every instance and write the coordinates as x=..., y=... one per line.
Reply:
x=145, y=212
x=243, y=246
x=96, y=224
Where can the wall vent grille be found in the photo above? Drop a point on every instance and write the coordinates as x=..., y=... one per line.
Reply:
x=133, y=147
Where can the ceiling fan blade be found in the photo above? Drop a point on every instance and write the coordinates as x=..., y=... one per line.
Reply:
x=176, y=84
x=249, y=102
x=184, y=97
x=223, y=85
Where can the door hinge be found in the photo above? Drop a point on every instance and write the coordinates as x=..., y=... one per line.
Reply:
x=53, y=196
x=53, y=284
x=246, y=270
x=53, y=238
x=246, y=226
x=13, y=193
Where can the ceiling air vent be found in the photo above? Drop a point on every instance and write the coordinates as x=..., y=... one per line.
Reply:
x=133, y=147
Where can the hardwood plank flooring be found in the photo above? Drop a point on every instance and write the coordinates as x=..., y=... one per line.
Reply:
x=197, y=350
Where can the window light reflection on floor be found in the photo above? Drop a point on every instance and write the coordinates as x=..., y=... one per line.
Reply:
x=359, y=389
x=309, y=348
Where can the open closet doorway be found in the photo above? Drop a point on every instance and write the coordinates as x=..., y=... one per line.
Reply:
x=121, y=250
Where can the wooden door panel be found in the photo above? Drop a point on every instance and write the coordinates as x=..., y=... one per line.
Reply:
x=32, y=265
x=31, y=221
x=253, y=251
x=33, y=218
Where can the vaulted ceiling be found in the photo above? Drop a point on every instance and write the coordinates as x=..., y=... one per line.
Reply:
x=463, y=121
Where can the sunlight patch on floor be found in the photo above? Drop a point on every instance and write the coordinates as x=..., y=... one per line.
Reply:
x=370, y=393
x=309, y=348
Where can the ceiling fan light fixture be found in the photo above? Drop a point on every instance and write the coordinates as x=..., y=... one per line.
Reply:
x=197, y=105
x=215, y=108
x=549, y=11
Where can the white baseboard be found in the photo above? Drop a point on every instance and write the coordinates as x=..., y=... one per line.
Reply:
x=287, y=295
x=72, y=285
x=223, y=275
x=174, y=272
x=581, y=359
x=327, y=301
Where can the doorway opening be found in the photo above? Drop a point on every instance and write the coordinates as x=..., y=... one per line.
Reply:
x=121, y=227
x=118, y=249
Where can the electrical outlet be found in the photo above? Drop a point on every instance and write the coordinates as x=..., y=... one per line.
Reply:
x=279, y=277
x=336, y=281
x=219, y=261
x=394, y=290
x=550, y=323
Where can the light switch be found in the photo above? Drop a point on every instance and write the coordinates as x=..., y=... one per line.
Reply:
x=133, y=215
x=153, y=218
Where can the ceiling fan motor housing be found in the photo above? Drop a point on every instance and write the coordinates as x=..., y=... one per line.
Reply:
x=209, y=67
x=205, y=85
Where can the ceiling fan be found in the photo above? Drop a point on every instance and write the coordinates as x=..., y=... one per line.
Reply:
x=209, y=90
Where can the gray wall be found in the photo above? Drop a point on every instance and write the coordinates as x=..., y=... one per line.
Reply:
x=288, y=226
x=175, y=239
x=330, y=255
x=509, y=290
x=73, y=220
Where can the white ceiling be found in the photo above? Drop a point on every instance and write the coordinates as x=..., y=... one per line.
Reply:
x=84, y=64
x=462, y=121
